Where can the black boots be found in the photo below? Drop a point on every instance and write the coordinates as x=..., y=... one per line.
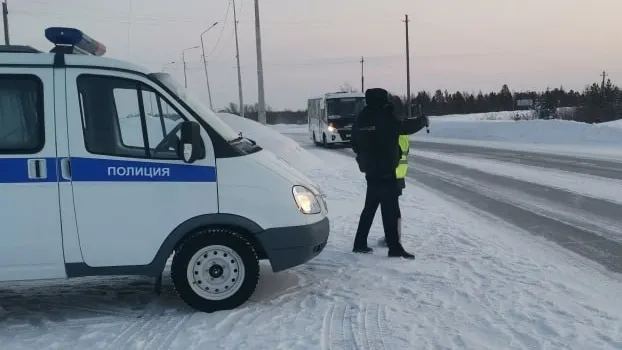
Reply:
x=399, y=252
x=362, y=249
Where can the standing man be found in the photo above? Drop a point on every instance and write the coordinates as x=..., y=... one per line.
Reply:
x=400, y=175
x=375, y=137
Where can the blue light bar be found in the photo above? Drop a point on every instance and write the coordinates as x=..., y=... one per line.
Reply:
x=71, y=37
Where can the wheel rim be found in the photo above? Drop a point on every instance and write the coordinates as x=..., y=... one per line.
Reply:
x=215, y=272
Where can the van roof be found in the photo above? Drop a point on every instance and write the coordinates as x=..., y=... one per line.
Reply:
x=27, y=56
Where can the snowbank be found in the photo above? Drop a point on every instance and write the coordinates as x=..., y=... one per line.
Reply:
x=558, y=132
x=505, y=115
x=291, y=128
x=614, y=124
x=272, y=140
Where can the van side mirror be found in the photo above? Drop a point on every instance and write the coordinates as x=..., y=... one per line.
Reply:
x=191, y=145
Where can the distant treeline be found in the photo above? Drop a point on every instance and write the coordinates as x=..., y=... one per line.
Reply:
x=272, y=117
x=595, y=104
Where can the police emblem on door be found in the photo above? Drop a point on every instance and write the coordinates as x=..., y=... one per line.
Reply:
x=187, y=151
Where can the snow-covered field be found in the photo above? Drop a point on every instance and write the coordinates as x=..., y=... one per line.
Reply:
x=505, y=115
x=549, y=136
x=476, y=284
x=497, y=130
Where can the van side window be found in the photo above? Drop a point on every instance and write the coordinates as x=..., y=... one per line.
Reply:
x=127, y=118
x=21, y=114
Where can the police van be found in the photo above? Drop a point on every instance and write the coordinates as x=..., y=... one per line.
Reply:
x=107, y=169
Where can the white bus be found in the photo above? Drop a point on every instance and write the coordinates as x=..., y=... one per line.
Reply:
x=331, y=116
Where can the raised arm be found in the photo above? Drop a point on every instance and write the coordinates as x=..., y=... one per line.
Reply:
x=412, y=126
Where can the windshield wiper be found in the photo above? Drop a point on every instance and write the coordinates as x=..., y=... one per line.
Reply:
x=237, y=139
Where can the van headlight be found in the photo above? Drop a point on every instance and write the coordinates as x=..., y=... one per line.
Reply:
x=305, y=200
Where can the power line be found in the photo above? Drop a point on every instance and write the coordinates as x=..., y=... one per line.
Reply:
x=156, y=20
x=129, y=27
x=233, y=31
x=340, y=60
x=222, y=30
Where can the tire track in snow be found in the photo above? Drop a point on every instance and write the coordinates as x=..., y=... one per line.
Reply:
x=175, y=323
x=371, y=326
x=311, y=276
x=348, y=326
x=139, y=327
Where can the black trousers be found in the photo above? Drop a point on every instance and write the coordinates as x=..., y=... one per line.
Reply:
x=385, y=195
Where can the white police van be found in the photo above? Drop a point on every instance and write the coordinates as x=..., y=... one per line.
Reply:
x=106, y=169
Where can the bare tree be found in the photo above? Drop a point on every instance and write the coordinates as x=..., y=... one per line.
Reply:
x=346, y=87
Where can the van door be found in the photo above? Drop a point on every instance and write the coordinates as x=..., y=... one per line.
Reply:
x=130, y=188
x=30, y=228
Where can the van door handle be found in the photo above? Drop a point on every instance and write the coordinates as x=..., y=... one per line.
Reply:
x=65, y=169
x=37, y=169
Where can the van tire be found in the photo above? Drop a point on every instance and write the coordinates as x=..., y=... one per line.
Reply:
x=324, y=141
x=232, y=258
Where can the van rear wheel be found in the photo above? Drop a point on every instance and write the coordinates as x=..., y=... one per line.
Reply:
x=215, y=269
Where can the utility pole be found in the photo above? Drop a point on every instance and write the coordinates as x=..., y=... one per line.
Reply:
x=237, y=57
x=183, y=59
x=362, y=75
x=209, y=92
x=408, y=101
x=260, y=89
x=5, y=18
x=602, y=88
x=604, y=75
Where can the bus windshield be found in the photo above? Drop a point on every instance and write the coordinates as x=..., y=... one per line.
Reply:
x=345, y=107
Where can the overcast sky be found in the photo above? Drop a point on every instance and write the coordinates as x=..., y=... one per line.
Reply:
x=314, y=46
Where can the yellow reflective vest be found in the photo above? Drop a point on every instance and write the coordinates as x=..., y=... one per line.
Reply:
x=400, y=171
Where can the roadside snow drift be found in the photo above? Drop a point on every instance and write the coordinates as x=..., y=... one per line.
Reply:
x=551, y=132
x=614, y=124
x=505, y=115
x=291, y=128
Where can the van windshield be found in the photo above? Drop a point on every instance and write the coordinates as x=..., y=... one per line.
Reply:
x=211, y=118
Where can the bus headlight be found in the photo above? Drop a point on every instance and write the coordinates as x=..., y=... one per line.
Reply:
x=305, y=200
x=331, y=128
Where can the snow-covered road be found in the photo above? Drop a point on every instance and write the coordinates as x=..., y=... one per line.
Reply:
x=478, y=283
x=577, y=211
x=608, y=169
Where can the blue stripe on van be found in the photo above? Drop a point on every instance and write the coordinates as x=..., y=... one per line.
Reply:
x=15, y=170
x=114, y=170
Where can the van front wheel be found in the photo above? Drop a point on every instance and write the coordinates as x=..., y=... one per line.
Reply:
x=216, y=269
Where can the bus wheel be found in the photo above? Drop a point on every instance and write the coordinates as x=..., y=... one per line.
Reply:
x=315, y=140
x=324, y=142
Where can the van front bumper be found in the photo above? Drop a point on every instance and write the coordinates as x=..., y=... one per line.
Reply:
x=291, y=246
